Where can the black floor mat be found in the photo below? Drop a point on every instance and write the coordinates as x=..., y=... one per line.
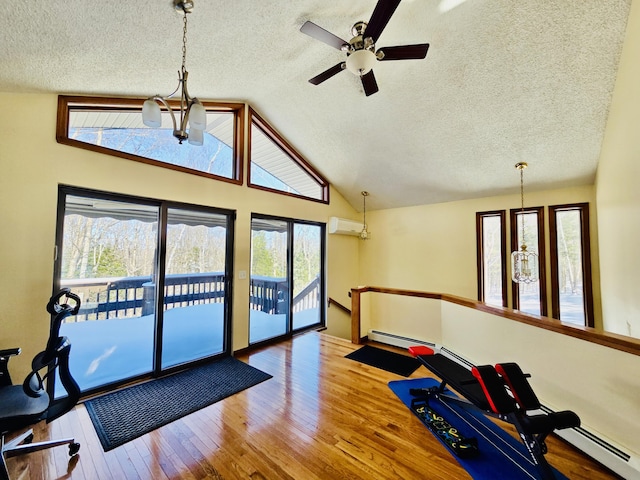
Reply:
x=384, y=359
x=122, y=416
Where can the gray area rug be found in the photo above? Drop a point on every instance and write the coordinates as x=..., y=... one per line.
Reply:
x=122, y=416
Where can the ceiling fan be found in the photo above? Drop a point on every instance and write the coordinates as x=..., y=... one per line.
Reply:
x=361, y=49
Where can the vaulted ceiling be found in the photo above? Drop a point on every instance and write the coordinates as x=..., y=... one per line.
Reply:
x=503, y=82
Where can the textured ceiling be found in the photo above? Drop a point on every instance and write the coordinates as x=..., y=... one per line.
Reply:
x=504, y=81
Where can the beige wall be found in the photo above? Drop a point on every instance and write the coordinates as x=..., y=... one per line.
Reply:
x=618, y=192
x=433, y=247
x=32, y=166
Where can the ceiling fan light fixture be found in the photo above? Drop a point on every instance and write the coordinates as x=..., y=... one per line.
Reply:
x=361, y=62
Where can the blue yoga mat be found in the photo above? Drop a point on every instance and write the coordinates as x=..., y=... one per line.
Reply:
x=501, y=456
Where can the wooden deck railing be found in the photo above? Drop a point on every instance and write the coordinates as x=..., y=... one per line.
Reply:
x=119, y=297
x=611, y=340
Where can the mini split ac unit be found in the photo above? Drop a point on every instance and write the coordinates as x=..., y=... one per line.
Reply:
x=343, y=226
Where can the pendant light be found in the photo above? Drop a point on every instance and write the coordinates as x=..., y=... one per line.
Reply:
x=524, y=264
x=364, y=234
x=192, y=112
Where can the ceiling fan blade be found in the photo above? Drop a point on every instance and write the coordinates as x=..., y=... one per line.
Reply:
x=380, y=17
x=369, y=83
x=327, y=74
x=319, y=33
x=404, y=52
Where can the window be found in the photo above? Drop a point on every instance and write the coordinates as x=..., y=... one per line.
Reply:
x=491, y=237
x=154, y=279
x=530, y=298
x=287, y=279
x=571, y=289
x=114, y=126
x=275, y=166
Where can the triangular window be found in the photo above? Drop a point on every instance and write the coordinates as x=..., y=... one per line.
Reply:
x=274, y=165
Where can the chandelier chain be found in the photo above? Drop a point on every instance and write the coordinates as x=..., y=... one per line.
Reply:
x=522, y=202
x=184, y=39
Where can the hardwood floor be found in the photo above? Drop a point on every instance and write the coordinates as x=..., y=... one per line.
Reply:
x=321, y=416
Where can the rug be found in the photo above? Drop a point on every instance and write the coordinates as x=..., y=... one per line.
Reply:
x=122, y=416
x=500, y=455
x=385, y=360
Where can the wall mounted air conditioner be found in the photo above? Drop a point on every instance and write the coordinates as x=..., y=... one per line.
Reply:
x=343, y=226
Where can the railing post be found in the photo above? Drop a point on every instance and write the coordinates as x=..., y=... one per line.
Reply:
x=355, y=316
x=148, y=298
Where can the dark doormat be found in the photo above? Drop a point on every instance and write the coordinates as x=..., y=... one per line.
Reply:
x=384, y=359
x=122, y=416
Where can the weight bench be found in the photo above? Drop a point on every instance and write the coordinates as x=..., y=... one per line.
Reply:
x=501, y=392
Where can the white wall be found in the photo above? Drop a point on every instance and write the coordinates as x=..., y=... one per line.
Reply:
x=618, y=193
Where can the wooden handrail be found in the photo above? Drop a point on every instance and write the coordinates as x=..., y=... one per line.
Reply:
x=611, y=340
x=339, y=305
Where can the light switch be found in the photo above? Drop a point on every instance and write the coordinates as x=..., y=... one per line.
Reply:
x=242, y=274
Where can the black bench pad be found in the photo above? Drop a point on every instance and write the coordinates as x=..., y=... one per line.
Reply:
x=457, y=377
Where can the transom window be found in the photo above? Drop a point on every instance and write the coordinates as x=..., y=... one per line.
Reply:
x=274, y=165
x=114, y=126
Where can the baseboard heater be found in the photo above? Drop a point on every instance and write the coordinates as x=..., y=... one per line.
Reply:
x=396, y=340
x=602, y=451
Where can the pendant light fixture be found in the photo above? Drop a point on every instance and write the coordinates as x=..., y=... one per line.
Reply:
x=524, y=264
x=364, y=234
x=192, y=113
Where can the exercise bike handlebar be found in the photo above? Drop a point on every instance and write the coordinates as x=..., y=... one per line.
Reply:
x=54, y=307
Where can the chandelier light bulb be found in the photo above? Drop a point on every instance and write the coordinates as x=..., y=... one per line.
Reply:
x=151, y=115
x=196, y=137
x=197, y=116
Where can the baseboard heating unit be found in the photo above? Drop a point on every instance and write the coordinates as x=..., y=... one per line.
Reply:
x=612, y=457
x=396, y=340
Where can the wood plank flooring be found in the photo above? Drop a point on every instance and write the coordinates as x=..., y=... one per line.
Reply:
x=321, y=416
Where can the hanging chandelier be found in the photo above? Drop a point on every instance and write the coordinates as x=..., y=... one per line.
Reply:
x=364, y=234
x=524, y=264
x=192, y=113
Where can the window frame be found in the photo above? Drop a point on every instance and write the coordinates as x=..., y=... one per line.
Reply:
x=480, y=252
x=585, y=245
x=542, y=275
x=288, y=150
x=67, y=103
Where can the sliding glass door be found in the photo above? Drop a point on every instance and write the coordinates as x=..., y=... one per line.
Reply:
x=286, y=287
x=307, y=254
x=269, y=296
x=117, y=253
x=107, y=255
x=194, y=286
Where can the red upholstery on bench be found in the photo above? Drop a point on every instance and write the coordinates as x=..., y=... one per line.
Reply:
x=493, y=388
x=420, y=350
x=519, y=386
